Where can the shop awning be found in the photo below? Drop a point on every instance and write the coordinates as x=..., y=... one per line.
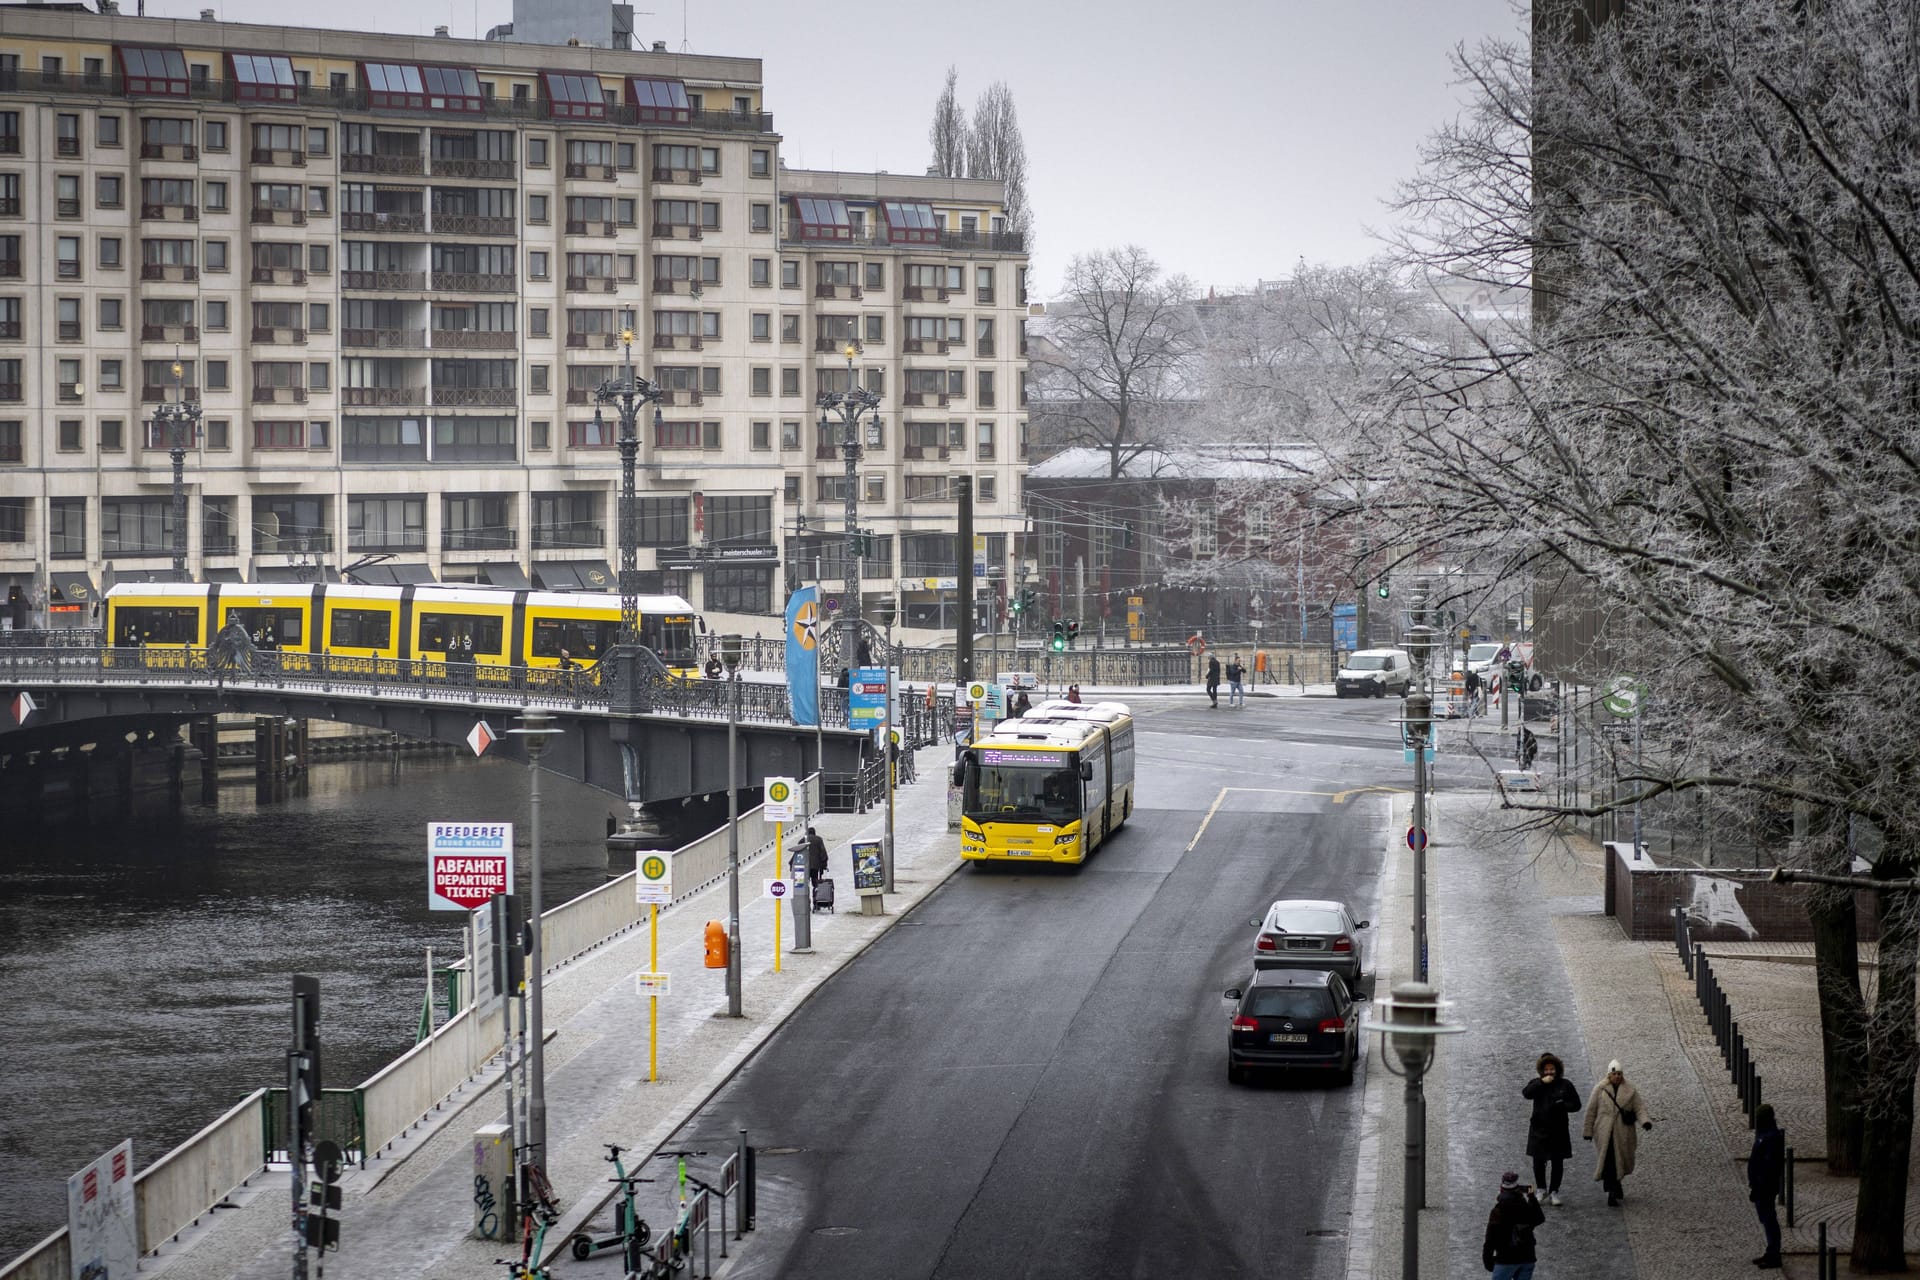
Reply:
x=73, y=586
x=574, y=575
x=392, y=575
x=222, y=575
x=507, y=574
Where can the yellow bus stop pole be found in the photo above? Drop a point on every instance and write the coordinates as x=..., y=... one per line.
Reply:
x=653, y=1000
x=779, y=852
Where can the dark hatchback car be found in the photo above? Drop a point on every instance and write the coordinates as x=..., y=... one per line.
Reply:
x=1293, y=1018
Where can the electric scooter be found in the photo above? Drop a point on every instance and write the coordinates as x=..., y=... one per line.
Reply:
x=630, y=1230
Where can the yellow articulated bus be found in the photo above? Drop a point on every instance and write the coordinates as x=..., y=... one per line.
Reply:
x=172, y=623
x=1048, y=787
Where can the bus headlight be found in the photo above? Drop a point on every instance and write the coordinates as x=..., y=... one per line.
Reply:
x=1068, y=839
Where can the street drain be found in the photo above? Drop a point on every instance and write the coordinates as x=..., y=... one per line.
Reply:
x=834, y=1231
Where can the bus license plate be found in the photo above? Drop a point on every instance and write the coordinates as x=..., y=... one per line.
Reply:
x=1286, y=1037
x=1018, y=853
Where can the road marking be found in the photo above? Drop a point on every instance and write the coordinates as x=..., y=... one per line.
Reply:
x=1213, y=809
x=1338, y=797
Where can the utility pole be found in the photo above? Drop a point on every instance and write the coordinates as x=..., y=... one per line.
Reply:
x=850, y=404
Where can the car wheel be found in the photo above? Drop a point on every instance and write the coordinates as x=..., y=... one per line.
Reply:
x=1346, y=1069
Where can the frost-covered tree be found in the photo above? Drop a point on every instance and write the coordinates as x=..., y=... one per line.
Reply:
x=1112, y=367
x=1712, y=435
x=948, y=132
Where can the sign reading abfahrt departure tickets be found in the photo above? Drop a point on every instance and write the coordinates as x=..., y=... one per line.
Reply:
x=467, y=863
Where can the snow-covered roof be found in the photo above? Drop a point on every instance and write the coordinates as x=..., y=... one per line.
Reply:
x=1189, y=462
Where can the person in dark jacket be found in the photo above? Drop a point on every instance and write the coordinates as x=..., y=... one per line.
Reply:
x=816, y=857
x=1548, y=1140
x=1213, y=682
x=1508, y=1250
x=1766, y=1167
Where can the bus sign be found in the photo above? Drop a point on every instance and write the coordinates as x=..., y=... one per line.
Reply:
x=1026, y=759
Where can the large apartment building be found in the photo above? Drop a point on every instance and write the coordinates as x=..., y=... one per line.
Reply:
x=392, y=271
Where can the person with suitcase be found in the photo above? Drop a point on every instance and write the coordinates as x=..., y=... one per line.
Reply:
x=821, y=884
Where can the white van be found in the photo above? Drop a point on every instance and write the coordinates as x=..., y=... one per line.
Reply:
x=1375, y=673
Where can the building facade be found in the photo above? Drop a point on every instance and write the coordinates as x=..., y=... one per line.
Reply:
x=391, y=272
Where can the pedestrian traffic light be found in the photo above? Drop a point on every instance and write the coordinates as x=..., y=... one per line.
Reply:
x=1385, y=588
x=1016, y=604
x=716, y=944
x=1059, y=642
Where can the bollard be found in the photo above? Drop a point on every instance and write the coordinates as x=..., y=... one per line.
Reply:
x=1821, y=1268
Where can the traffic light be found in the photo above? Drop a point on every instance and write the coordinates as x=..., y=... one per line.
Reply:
x=1028, y=598
x=1385, y=588
x=716, y=944
x=1073, y=632
x=1059, y=642
x=1016, y=604
x=861, y=544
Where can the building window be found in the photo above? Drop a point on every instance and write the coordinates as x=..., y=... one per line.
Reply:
x=537, y=264
x=537, y=153
x=109, y=191
x=219, y=435
x=110, y=252
x=760, y=217
x=216, y=255
x=760, y=326
x=983, y=388
x=537, y=376
x=217, y=314
x=67, y=528
x=540, y=435
x=760, y=381
x=984, y=489
x=66, y=253
x=789, y=328
x=789, y=381
x=661, y=522
x=217, y=374
x=537, y=322
x=876, y=490
x=789, y=274
x=739, y=590
x=216, y=197
x=112, y=375
x=760, y=272
x=113, y=435
x=70, y=439
x=537, y=209
x=112, y=313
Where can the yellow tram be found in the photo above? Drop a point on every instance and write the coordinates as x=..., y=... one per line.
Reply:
x=489, y=628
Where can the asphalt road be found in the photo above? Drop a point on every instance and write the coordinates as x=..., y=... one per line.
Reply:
x=1027, y=1075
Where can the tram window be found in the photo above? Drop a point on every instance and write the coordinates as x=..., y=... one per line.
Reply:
x=360, y=629
x=459, y=633
x=584, y=641
x=145, y=625
x=271, y=628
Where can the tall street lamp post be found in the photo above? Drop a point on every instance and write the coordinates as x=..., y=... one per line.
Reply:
x=628, y=393
x=730, y=655
x=1417, y=717
x=1409, y=1032
x=535, y=728
x=181, y=420
x=850, y=404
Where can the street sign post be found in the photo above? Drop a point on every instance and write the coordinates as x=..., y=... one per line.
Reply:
x=480, y=737
x=782, y=800
x=653, y=887
x=1623, y=696
x=778, y=891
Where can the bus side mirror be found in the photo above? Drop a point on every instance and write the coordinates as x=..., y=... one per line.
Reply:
x=1086, y=771
x=959, y=775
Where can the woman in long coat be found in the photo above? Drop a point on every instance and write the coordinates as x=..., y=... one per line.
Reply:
x=1612, y=1114
x=1548, y=1140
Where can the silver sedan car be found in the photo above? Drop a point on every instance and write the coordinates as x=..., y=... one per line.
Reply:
x=1309, y=933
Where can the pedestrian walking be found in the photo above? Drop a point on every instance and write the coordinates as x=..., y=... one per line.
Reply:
x=1213, y=682
x=1766, y=1167
x=1236, y=683
x=1508, y=1250
x=1073, y=693
x=1548, y=1140
x=1529, y=747
x=816, y=858
x=1473, y=692
x=1614, y=1112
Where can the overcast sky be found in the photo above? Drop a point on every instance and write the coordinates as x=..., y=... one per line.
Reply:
x=1230, y=138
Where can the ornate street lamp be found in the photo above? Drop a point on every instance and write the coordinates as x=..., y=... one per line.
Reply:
x=1410, y=1032
x=850, y=404
x=181, y=421
x=628, y=393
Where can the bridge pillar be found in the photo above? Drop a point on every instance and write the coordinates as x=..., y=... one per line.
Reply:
x=643, y=830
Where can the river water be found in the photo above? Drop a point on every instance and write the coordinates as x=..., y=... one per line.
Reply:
x=145, y=971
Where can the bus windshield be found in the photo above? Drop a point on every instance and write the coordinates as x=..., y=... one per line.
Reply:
x=1046, y=791
x=671, y=639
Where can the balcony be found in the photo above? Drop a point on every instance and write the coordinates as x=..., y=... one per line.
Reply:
x=69, y=331
x=405, y=222
x=390, y=540
x=983, y=297
x=473, y=282
x=599, y=172
x=838, y=291
x=591, y=284
x=928, y=398
x=267, y=155
x=160, y=151
x=472, y=224
x=279, y=275
x=381, y=397
x=926, y=452
x=596, y=340
x=265, y=215
x=479, y=540
x=825, y=451
x=475, y=339
x=984, y=241
x=71, y=209
x=502, y=170
x=983, y=348
x=384, y=339
x=279, y=395
x=157, y=213
x=384, y=281
x=9, y=206
x=913, y=346
x=153, y=393
x=9, y=329
x=151, y=271
x=589, y=227
x=690, y=176
x=677, y=230
x=472, y=397
x=9, y=268
x=683, y=397
x=9, y=144
x=265, y=335
x=402, y=163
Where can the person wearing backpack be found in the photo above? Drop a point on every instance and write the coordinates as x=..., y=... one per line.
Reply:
x=1508, y=1251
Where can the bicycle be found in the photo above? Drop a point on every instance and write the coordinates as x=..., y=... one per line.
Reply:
x=630, y=1230
x=534, y=1222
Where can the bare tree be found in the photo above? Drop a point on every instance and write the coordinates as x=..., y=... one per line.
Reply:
x=1111, y=369
x=1712, y=432
x=996, y=150
x=948, y=133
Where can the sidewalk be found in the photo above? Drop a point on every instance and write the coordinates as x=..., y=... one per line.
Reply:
x=1520, y=946
x=409, y=1213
